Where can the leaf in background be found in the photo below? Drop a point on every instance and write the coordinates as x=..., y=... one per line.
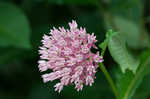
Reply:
x=127, y=18
x=14, y=27
x=120, y=54
x=145, y=58
x=143, y=90
x=128, y=82
x=130, y=9
x=130, y=30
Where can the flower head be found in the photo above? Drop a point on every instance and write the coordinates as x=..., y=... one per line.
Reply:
x=68, y=54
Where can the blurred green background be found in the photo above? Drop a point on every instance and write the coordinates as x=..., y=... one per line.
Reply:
x=23, y=23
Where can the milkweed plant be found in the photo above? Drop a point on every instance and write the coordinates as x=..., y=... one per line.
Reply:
x=68, y=54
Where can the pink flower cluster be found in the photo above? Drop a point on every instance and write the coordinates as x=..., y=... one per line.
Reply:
x=67, y=53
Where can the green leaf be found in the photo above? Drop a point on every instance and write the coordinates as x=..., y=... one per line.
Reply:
x=143, y=90
x=145, y=61
x=14, y=27
x=127, y=18
x=104, y=44
x=120, y=54
x=123, y=81
x=130, y=30
x=128, y=82
x=129, y=9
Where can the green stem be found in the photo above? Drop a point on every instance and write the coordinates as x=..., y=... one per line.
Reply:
x=110, y=81
x=109, y=21
x=104, y=47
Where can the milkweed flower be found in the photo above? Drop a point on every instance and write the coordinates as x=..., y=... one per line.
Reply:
x=67, y=52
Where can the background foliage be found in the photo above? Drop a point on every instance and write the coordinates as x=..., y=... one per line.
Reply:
x=23, y=23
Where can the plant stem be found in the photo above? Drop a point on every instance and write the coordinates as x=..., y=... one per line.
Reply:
x=110, y=81
x=104, y=48
x=109, y=21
